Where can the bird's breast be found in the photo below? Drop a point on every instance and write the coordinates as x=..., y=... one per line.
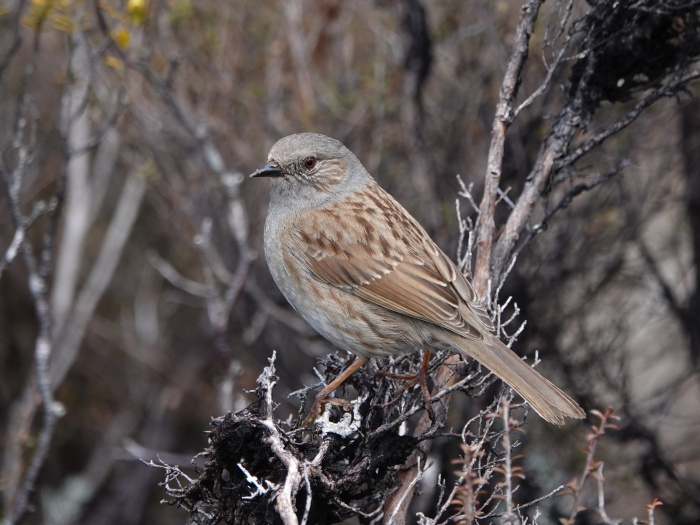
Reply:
x=340, y=316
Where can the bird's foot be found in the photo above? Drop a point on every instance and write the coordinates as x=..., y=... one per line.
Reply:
x=322, y=399
x=421, y=378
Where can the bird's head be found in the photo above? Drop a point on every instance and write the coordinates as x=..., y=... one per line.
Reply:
x=308, y=169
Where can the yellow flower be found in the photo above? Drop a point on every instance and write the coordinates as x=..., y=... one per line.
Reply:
x=114, y=63
x=121, y=37
x=137, y=10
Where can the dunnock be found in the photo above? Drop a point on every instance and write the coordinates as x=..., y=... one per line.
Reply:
x=362, y=272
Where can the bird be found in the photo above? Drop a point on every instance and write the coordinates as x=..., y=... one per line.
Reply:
x=367, y=276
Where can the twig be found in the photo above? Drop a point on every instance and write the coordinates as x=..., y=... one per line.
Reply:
x=307, y=506
x=397, y=503
x=12, y=179
x=90, y=144
x=405, y=492
x=558, y=58
x=540, y=499
x=40, y=208
x=601, y=499
x=650, y=509
x=504, y=117
x=666, y=290
x=230, y=180
x=259, y=489
x=576, y=190
x=170, y=274
x=110, y=253
x=591, y=467
x=74, y=127
x=284, y=499
x=509, y=515
x=668, y=90
x=16, y=38
x=293, y=10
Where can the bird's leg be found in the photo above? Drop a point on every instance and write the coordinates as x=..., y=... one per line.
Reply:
x=323, y=397
x=423, y=381
x=421, y=378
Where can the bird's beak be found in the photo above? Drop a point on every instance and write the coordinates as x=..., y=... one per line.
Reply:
x=271, y=169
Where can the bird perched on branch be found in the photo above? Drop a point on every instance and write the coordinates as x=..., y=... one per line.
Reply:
x=365, y=275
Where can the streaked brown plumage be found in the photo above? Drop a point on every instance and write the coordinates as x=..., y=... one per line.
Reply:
x=362, y=271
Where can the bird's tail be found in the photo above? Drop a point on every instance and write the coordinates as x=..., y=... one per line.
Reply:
x=541, y=394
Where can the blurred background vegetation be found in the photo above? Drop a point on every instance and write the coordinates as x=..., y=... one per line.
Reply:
x=143, y=120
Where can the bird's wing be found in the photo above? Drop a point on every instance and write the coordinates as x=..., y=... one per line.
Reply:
x=368, y=245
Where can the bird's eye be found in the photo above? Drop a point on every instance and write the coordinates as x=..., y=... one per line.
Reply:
x=310, y=162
